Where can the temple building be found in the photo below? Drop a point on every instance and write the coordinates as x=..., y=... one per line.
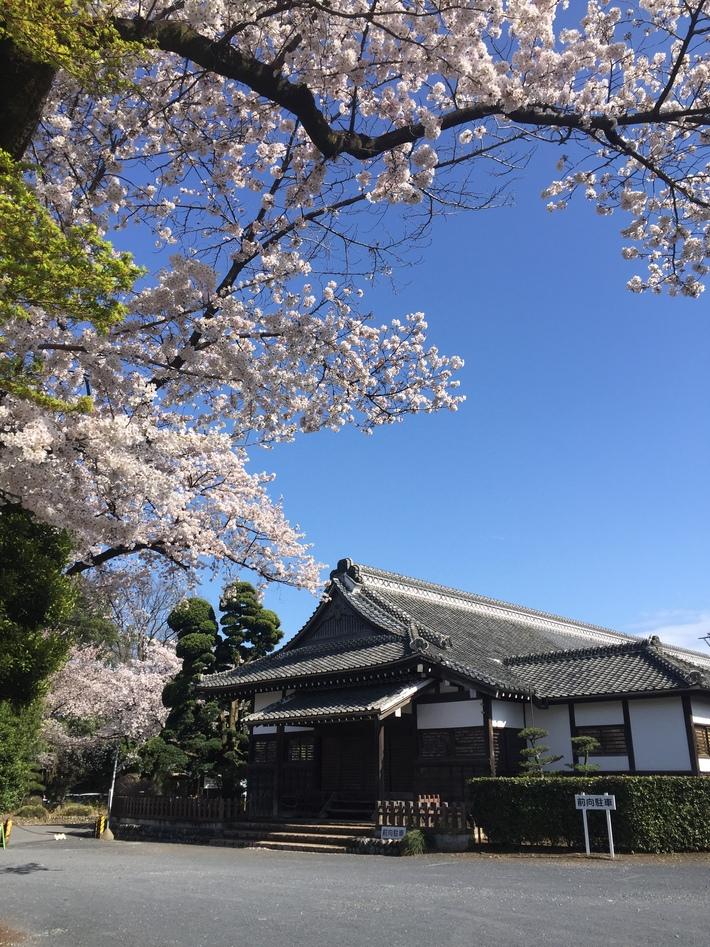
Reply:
x=396, y=688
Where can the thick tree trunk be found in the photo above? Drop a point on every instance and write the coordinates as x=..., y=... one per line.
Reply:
x=26, y=84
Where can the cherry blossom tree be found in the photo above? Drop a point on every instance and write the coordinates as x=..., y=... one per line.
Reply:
x=287, y=152
x=122, y=700
x=93, y=704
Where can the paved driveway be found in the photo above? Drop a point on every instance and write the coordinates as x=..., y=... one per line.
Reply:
x=82, y=893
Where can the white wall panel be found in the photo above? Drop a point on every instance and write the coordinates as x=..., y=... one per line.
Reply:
x=659, y=735
x=598, y=713
x=555, y=720
x=616, y=764
x=263, y=700
x=450, y=713
x=505, y=713
x=701, y=710
x=704, y=766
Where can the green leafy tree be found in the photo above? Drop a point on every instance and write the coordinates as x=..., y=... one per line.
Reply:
x=19, y=743
x=159, y=760
x=35, y=600
x=583, y=747
x=71, y=273
x=535, y=757
x=69, y=35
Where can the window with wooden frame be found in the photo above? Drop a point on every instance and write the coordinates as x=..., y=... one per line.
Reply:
x=301, y=749
x=263, y=750
x=702, y=740
x=610, y=737
x=456, y=743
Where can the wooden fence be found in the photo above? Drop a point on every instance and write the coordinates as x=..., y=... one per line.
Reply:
x=442, y=817
x=178, y=809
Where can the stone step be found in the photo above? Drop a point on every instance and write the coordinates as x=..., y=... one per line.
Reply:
x=346, y=829
x=301, y=847
x=310, y=837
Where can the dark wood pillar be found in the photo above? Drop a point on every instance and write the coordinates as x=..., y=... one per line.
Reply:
x=629, y=736
x=690, y=733
x=278, y=764
x=380, y=759
x=488, y=730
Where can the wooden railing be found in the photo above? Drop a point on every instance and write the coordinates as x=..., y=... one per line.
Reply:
x=178, y=809
x=442, y=817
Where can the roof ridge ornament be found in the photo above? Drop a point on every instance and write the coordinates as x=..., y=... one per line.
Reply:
x=416, y=642
x=346, y=567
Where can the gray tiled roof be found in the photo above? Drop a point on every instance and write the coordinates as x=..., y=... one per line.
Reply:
x=477, y=637
x=321, y=658
x=636, y=667
x=306, y=706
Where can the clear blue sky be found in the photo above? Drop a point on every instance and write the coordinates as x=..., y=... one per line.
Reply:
x=575, y=477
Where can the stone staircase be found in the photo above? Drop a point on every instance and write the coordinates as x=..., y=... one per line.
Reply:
x=325, y=837
x=321, y=837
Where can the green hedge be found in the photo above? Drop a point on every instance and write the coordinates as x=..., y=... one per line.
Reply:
x=653, y=813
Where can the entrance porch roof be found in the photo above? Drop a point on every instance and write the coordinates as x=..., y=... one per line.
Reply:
x=373, y=702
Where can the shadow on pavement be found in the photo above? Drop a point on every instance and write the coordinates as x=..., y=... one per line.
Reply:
x=23, y=869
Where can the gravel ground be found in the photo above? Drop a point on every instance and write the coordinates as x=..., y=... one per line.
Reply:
x=78, y=892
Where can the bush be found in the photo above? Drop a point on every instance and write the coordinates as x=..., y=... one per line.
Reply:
x=33, y=801
x=75, y=809
x=654, y=813
x=413, y=843
x=35, y=812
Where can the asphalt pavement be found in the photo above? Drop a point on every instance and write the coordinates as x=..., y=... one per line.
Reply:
x=79, y=892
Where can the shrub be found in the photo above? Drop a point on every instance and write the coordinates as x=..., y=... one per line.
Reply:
x=413, y=843
x=75, y=809
x=654, y=813
x=33, y=801
x=35, y=812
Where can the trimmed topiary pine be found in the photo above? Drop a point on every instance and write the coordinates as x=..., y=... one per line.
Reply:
x=192, y=742
x=250, y=630
x=583, y=747
x=535, y=757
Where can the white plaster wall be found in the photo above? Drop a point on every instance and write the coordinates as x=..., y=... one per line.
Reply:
x=704, y=766
x=701, y=710
x=507, y=714
x=263, y=700
x=555, y=720
x=659, y=735
x=451, y=713
x=615, y=764
x=260, y=728
x=598, y=713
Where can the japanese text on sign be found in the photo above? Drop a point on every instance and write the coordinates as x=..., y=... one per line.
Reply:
x=392, y=831
x=595, y=802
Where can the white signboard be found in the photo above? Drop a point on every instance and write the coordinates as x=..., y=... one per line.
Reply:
x=392, y=831
x=595, y=802
x=603, y=803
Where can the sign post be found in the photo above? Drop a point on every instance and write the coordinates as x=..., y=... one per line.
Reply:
x=604, y=802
